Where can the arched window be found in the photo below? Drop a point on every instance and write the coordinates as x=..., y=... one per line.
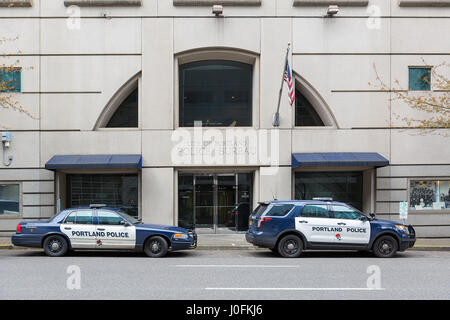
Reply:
x=305, y=114
x=122, y=110
x=311, y=110
x=216, y=92
x=126, y=115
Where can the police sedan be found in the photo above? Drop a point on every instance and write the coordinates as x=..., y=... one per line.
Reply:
x=289, y=227
x=101, y=228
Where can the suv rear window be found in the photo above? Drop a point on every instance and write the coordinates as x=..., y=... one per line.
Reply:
x=260, y=209
x=279, y=210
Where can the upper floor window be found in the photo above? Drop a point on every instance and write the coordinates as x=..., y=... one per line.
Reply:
x=217, y=93
x=126, y=115
x=10, y=79
x=305, y=114
x=419, y=78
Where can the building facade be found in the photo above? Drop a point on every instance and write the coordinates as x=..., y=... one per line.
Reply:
x=165, y=109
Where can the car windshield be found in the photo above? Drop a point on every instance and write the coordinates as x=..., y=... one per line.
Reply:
x=133, y=220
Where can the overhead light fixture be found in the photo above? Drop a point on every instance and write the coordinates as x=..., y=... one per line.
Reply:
x=217, y=10
x=332, y=10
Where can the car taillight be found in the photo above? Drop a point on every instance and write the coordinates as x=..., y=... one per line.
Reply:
x=19, y=228
x=263, y=220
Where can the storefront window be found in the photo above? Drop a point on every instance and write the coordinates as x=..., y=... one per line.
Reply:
x=341, y=186
x=217, y=93
x=115, y=190
x=9, y=199
x=429, y=195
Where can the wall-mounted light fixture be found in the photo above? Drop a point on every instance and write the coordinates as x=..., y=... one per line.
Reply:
x=6, y=142
x=332, y=10
x=217, y=10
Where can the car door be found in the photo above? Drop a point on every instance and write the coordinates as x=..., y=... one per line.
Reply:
x=80, y=229
x=316, y=224
x=112, y=233
x=354, y=230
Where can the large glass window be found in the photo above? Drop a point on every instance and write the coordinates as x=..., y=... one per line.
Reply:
x=341, y=186
x=216, y=92
x=305, y=114
x=115, y=190
x=9, y=199
x=126, y=115
x=429, y=195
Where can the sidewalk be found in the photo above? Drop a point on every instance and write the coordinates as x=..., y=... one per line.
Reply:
x=236, y=241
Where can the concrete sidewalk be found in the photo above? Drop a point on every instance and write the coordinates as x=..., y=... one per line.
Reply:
x=236, y=241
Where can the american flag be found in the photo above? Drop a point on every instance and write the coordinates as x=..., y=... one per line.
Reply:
x=290, y=82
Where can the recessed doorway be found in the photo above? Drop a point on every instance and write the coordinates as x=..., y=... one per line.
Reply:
x=214, y=203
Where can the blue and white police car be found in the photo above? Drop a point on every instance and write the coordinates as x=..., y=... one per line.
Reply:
x=289, y=227
x=99, y=227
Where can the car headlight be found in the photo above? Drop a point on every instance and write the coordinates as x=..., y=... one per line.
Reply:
x=181, y=236
x=401, y=227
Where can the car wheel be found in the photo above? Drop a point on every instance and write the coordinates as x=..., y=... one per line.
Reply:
x=275, y=251
x=385, y=247
x=156, y=247
x=55, y=246
x=290, y=246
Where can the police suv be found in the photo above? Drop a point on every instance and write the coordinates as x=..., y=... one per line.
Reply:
x=100, y=228
x=289, y=227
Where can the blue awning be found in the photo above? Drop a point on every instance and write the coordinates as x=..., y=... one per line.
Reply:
x=109, y=161
x=339, y=159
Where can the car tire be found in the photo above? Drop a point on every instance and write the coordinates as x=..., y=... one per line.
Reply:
x=55, y=246
x=156, y=247
x=290, y=246
x=385, y=247
x=275, y=251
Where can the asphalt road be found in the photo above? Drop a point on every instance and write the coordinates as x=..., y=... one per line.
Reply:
x=227, y=274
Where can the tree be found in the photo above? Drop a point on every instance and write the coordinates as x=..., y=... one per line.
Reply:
x=8, y=83
x=435, y=103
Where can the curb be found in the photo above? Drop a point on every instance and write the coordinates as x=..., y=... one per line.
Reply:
x=420, y=248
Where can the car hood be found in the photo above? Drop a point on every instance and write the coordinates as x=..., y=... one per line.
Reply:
x=385, y=222
x=161, y=227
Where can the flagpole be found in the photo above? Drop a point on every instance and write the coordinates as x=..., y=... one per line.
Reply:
x=276, y=116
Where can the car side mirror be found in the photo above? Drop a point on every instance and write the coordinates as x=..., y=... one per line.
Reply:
x=364, y=218
x=124, y=223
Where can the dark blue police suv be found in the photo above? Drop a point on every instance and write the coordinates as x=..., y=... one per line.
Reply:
x=289, y=227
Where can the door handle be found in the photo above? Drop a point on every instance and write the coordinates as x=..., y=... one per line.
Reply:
x=67, y=228
x=303, y=221
x=342, y=224
x=101, y=229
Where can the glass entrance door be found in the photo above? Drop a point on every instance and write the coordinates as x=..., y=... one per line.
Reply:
x=213, y=202
x=226, y=199
x=204, y=201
